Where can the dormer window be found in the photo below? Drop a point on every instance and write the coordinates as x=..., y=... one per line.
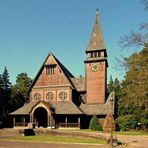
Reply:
x=50, y=69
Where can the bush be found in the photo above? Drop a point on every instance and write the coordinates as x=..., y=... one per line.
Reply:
x=94, y=124
x=126, y=122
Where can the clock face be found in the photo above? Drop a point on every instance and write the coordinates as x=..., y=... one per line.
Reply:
x=95, y=66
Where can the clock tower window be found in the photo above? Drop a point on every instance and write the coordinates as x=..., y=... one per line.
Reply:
x=95, y=54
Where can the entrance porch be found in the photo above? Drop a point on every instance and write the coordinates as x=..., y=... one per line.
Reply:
x=47, y=115
x=41, y=119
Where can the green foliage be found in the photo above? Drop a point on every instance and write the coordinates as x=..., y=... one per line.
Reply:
x=5, y=79
x=94, y=124
x=115, y=85
x=19, y=90
x=5, y=91
x=111, y=84
x=133, y=101
x=1, y=82
x=12, y=97
x=126, y=122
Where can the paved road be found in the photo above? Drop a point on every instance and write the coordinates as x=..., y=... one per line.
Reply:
x=21, y=144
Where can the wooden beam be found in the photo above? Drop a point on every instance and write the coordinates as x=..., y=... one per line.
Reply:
x=13, y=121
x=79, y=122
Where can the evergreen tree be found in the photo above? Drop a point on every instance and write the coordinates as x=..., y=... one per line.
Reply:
x=110, y=85
x=5, y=79
x=19, y=90
x=5, y=95
x=115, y=85
x=1, y=96
x=1, y=82
x=94, y=124
x=117, y=90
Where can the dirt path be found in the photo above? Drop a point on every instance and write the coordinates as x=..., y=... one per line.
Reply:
x=134, y=141
x=21, y=144
x=137, y=141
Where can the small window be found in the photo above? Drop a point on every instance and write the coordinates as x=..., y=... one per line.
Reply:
x=95, y=54
x=63, y=95
x=37, y=96
x=49, y=96
x=99, y=54
x=50, y=69
x=91, y=54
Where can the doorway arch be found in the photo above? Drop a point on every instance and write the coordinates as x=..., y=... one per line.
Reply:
x=41, y=117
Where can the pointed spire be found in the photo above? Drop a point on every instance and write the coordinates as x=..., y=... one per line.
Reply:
x=96, y=41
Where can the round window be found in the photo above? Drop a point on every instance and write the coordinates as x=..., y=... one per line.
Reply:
x=63, y=95
x=50, y=96
x=37, y=96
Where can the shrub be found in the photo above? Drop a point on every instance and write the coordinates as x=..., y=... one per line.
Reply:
x=94, y=124
x=126, y=122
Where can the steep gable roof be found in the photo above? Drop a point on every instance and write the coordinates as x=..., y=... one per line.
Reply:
x=96, y=41
x=65, y=71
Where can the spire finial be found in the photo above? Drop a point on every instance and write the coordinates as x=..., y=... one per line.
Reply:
x=97, y=11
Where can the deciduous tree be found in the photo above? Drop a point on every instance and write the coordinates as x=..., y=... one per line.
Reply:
x=134, y=94
x=133, y=100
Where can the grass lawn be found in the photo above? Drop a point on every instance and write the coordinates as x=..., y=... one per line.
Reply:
x=133, y=133
x=49, y=138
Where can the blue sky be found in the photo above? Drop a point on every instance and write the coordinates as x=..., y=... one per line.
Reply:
x=29, y=29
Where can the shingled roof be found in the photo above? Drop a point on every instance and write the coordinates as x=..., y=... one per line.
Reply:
x=66, y=107
x=24, y=110
x=96, y=41
x=99, y=109
x=79, y=83
x=61, y=107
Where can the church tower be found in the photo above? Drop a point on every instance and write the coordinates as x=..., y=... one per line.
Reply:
x=96, y=66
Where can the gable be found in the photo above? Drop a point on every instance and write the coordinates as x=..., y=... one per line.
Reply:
x=52, y=72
